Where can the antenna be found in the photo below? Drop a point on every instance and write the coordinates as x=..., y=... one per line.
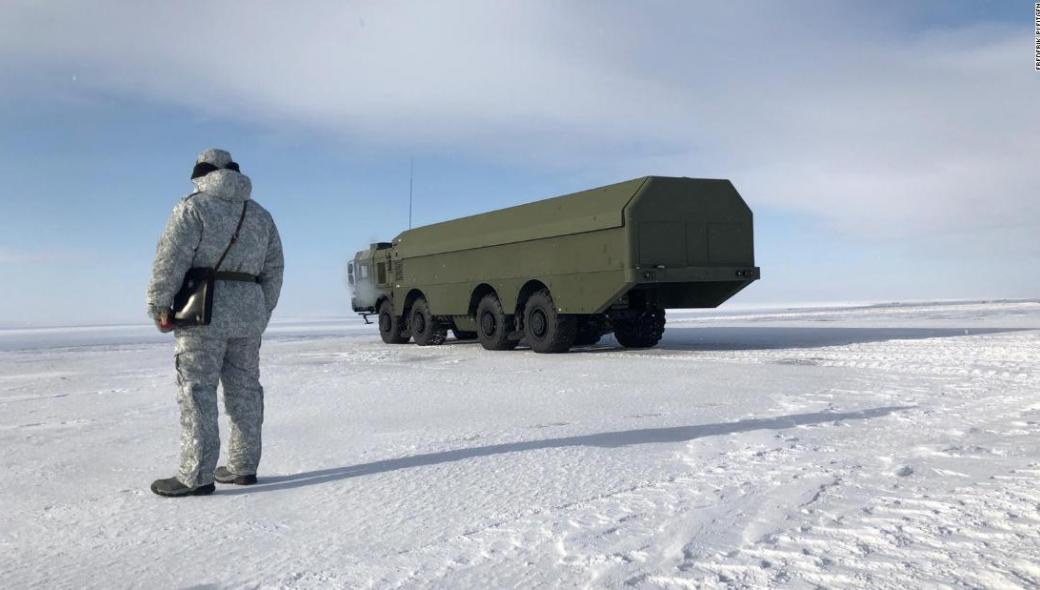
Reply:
x=411, y=175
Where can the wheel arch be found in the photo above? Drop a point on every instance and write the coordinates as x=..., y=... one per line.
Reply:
x=410, y=299
x=381, y=300
x=481, y=291
x=530, y=288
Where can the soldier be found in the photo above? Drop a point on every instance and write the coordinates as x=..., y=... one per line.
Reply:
x=228, y=349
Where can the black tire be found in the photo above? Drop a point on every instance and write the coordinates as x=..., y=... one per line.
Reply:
x=391, y=328
x=590, y=330
x=493, y=325
x=427, y=330
x=463, y=334
x=546, y=329
x=642, y=330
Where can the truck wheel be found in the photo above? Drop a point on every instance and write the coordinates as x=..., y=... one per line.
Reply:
x=463, y=335
x=426, y=329
x=493, y=325
x=640, y=331
x=590, y=330
x=546, y=329
x=390, y=328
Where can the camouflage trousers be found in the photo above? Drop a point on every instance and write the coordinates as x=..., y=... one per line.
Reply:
x=202, y=363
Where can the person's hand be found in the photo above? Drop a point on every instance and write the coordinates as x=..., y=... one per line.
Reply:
x=165, y=321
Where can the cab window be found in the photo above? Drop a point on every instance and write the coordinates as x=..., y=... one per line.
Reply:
x=350, y=272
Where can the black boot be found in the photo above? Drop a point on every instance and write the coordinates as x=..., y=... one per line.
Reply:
x=223, y=475
x=172, y=487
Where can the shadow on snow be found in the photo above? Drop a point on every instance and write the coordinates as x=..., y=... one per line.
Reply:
x=709, y=338
x=713, y=338
x=603, y=439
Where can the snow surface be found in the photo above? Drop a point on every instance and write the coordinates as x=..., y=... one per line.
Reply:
x=884, y=446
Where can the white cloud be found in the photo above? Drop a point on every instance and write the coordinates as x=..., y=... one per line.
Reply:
x=17, y=257
x=846, y=114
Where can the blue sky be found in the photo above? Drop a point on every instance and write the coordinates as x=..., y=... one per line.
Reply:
x=888, y=151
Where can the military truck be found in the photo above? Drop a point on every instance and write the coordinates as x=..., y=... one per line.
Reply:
x=564, y=271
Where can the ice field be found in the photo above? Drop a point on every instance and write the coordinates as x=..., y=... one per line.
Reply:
x=887, y=446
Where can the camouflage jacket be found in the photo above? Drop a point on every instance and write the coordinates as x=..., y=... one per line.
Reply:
x=197, y=233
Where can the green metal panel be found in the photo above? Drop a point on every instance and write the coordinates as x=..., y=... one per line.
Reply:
x=690, y=222
x=448, y=279
x=587, y=292
x=689, y=240
x=696, y=244
x=729, y=243
x=662, y=243
x=595, y=209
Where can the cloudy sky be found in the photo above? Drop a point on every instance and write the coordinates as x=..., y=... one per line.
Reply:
x=888, y=149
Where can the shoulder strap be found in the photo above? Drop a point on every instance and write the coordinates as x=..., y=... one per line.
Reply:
x=234, y=237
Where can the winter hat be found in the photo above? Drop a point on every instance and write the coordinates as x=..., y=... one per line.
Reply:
x=213, y=159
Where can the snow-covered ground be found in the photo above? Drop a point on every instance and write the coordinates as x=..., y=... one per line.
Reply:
x=891, y=446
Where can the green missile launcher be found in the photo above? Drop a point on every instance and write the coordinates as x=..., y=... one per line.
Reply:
x=562, y=272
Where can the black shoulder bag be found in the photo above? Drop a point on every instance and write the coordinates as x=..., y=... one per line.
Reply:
x=193, y=304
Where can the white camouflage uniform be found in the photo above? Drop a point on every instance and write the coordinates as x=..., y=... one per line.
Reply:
x=228, y=350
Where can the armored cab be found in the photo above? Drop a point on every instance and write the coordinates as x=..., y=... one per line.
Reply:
x=368, y=279
x=564, y=271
